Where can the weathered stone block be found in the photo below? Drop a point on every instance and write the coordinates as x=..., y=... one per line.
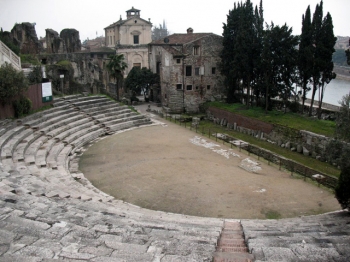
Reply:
x=299, y=148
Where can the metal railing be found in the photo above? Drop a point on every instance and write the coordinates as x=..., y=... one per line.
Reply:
x=10, y=57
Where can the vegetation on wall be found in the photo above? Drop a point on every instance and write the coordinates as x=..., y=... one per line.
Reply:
x=35, y=76
x=12, y=83
x=6, y=39
x=29, y=59
x=55, y=70
x=22, y=106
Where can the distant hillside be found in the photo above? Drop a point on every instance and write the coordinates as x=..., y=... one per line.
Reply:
x=342, y=42
x=339, y=57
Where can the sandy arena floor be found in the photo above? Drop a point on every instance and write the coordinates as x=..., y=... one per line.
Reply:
x=168, y=168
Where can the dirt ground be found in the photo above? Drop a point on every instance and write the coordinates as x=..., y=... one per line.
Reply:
x=161, y=168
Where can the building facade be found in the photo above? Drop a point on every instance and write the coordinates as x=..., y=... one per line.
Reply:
x=188, y=69
x=130, y=38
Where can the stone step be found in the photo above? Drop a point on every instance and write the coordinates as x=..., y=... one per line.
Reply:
x=43, y=151
x=8, y=149
x=9, y=134
x=19, y=152
x=71, y=131
x=123, y=118
x=231, y=245
x=91, y=101
x=112, y=112
x=57, y=133
x=66, y=121
x=96, y=105
x=111, y=117
x=80, y=132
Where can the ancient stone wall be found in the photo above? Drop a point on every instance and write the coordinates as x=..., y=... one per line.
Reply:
x=71, y=39
x=302, y=141
x=24, y=35
x=54, y=42
x=86, y=69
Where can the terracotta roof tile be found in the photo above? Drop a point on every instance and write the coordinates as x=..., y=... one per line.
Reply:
x=181, y=38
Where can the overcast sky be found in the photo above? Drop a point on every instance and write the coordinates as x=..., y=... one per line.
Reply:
x=92, y=16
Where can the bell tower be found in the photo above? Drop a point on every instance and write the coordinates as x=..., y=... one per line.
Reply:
x=132, y=13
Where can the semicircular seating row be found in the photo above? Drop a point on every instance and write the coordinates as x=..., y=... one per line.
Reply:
x=48, y=212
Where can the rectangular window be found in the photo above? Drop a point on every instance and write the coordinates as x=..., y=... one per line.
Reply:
x=208, y=87
x=213, y=70
x=196, y=50
x=136, y=65
x=197, y=87
x=188, y=70
x=158, y=68
x=136, y=39
x=189, y=87
x=196, y=71
x=178, y=61
x=179, y=86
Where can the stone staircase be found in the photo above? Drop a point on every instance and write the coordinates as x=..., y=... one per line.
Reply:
x=50, y=212
x=231, y=245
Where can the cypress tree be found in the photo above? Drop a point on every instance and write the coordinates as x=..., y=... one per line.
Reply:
x=230, y=31
x=305, y=56
x=317, y=56
x=327, y=44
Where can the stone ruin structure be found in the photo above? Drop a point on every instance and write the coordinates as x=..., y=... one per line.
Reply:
x=24, y=36
x=68, y=41
x=53, y=42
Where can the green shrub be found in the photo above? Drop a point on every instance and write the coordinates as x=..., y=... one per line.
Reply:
x=134, y=98
x=29, y=59
x=342, y=191
x=22, y=106
x=294, y=106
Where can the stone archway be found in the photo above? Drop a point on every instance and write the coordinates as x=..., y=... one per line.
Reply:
x=137, y=60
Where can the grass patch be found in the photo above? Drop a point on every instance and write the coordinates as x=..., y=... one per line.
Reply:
x=292, y=120
x=272, y=214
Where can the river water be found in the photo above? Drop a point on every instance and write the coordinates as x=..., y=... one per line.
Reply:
x=335, y=90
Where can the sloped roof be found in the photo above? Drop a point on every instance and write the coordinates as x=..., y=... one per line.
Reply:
x=173, y=51
x=121, y=22
x=181, y=38
x=133, y=10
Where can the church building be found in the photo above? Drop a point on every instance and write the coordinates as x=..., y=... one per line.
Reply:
x=130, y=37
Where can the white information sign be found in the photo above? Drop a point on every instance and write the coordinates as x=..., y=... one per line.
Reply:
x=46, y=92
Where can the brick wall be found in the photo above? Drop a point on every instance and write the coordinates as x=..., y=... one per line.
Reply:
x=34, y=93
